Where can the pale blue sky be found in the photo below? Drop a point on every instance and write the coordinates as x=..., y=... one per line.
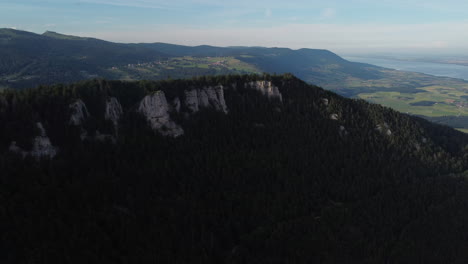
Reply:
x=339, y=25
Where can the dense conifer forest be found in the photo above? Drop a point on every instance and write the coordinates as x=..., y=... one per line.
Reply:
x=314, y=178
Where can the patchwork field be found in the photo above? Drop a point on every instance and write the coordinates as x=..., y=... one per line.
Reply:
x=181, y=67
x=413, y=93
x=431, y=101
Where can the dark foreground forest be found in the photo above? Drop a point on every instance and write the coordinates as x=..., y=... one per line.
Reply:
x=308, y=177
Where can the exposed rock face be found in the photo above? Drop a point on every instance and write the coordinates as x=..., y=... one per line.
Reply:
x=215, y=97
x=206, y=97
x=113, y=111
x=325, y=101
x=42, y=147
x=384, y=129
x=156, y=110
x=176, y=104
x=220, y=103
x=79, y=113
x=266, y=88
x=191, y=100
x=334, y=116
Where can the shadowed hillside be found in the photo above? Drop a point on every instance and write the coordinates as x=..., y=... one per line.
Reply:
x=226, y=169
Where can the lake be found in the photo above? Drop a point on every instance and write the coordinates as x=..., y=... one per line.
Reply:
x=437, y=69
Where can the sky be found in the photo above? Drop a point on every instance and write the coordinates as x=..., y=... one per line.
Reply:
x=342, y=26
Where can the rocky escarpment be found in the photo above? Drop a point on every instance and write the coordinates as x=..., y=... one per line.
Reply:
x=79, y=112
x=156, y=110
x=42, y=147
x=206, y=97
x=384, y=129
x=113, y=111
x=266, y=88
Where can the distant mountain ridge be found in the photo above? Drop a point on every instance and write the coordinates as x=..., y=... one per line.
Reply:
x=29, y=59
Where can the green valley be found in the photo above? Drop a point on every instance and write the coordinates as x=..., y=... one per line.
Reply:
x=180, y=67
x=413, y=93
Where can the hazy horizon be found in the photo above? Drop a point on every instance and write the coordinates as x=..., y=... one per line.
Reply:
x=344, y=27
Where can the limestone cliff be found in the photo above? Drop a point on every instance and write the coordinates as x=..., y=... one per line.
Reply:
x=176, y=104
x=266, y=88
x=156, y=110
x=113, y=111
x=206, y=97
x=191, y=100
x=384, y=129
x=42, y=147
x=334, y=117
x=79, y=112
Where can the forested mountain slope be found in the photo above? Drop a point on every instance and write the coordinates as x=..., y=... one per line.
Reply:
x=28, y=60
x=227, y=169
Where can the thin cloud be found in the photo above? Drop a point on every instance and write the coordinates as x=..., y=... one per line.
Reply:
x=124, y=3
x=328, y=13
x=164, y=4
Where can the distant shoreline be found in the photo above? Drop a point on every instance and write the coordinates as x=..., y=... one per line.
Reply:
x=443, y=69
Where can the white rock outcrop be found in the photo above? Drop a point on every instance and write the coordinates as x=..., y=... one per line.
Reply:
x=113, y=111
x=156, y=110
x=325, y=101
x=191, y=100
x=176, y=104
x=79, y=113
x=384, y=129
x=206, y=97
x=266, y=88
x=42, y=147
x=334, y=117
